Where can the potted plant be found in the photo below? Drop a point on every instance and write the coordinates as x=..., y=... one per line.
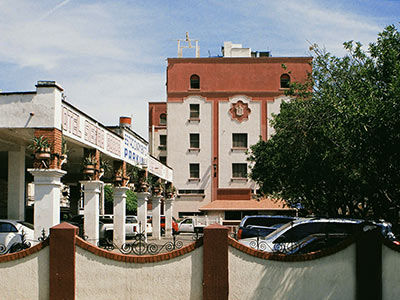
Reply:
x=157, y=187
x=104, y=167
x=170, y=190
x=41, y=147
x=64, y=151
x=89, y=164
x=118, y=176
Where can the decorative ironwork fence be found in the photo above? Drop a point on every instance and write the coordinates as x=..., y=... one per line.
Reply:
x=139, y=245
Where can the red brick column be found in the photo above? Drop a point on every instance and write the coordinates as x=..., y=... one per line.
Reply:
x=62, y=261
x=54, y=136
x=215, y=263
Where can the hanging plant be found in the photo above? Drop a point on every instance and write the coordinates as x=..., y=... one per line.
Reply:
x=41, y=147
x=89, y=164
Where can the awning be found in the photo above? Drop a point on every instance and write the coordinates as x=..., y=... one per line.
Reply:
x=261, y=204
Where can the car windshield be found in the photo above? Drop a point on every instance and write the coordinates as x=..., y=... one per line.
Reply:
x=26, y=224
x=278, y=231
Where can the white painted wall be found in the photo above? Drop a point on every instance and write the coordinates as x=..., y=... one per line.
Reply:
x=178, y=142
x=26, y=278
x=45, y=105
x=178, y=278
x=331, y=277
x=228, y=126
x=390, y=273
x=273, y=108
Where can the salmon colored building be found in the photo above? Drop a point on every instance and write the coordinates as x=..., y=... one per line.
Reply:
x=216, y=109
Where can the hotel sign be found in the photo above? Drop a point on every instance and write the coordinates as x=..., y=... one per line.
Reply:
x=133, y=150
x=81, y=128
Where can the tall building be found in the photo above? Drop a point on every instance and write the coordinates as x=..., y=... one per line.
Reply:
x=216, y=108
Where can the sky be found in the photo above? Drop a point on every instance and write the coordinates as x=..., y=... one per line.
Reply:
x=110, y=55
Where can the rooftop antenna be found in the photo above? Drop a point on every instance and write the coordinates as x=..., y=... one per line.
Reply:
x=189, y=45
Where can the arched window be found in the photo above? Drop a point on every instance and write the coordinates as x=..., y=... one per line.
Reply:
x=163, y=119
x=194, y=82
x=285, y=80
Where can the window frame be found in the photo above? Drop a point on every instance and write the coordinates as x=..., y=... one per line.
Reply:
x=191, y=142
x=191, y=172
x=163, y=117
x=162, y=146
x=239, y=147
x=194, y=82
x=234, y=173
x=194, y=114
x=284, y=81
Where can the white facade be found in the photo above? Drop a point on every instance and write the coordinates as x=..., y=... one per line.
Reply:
x=227, y=127
x=180, y=156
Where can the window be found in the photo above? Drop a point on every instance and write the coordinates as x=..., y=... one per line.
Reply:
x=194, y=82
x=163, y=142
x=194, y=140
x=163, y=119
x=191, y=192
x=7, y=227
x=163, y=159
x=285, y=80
x=194, y=171
x=239, y=140
x=194, y=111
x=239, y=170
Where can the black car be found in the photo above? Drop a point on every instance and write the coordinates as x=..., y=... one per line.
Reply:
x=261, y=225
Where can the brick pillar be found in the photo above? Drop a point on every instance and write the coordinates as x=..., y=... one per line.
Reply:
x=369, y=265
x=62, y=261
x=54, y=136
x=215, y=263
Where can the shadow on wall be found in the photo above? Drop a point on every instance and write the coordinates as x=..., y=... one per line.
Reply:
x=330, y=277
x=206, y=179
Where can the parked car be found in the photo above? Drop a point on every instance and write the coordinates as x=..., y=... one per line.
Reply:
x=162, y=224
x=15, y=235
x=296, y=234
x=131, y=226
x=196, y=224
x=261, y=225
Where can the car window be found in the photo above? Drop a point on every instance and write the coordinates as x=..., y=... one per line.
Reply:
x=348, y=228
x=300, y=231
x=26, y=224
x=7, y=227
x=187, y=221
x=262, y=221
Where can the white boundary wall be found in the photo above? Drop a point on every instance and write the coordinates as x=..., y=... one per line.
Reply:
x=26, y=278
x=101, y=278
x=330, y=277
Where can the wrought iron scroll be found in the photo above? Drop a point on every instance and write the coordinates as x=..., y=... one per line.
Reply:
x=139, y=246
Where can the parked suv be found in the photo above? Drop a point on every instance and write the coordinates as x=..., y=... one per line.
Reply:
x=294, y=235
x=261, y=225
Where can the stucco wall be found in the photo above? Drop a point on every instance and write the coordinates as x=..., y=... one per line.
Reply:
x=26, y=278
x=101, y=278
x=45, y=106
x=178, y=142
x=390, y=273
x=331, y=277
x=273, y=108
x=227, y=127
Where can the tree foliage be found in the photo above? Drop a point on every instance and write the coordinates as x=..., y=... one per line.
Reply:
x=336, y=147
x=131, y=200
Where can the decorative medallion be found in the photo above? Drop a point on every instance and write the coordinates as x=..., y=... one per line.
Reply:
x=240, y=111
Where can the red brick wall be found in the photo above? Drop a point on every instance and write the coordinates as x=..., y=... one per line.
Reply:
x=233, y=194
x=54, y=136
x=155, y=110
x=260, y=76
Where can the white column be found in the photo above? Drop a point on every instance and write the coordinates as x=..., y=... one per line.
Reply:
x=156, y=212
x=168, y=216
x=119, y=215
x=47, y=199
x=142, y=198
x=91, y=202
x=16, y=184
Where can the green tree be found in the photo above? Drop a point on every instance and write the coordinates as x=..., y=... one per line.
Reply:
x=336, y=147
x=131, y=200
